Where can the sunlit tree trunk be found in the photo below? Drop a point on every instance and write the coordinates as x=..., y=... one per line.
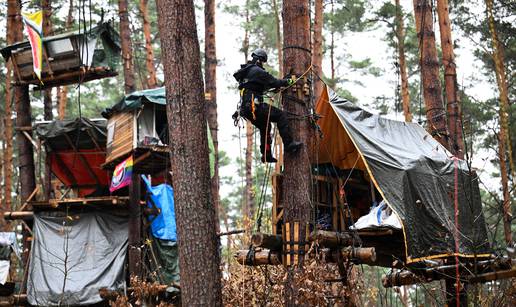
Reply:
x=127, y=47
x=429, y=64
x=210, y=77
x=332, y=43
x=14, y=34
x=503, y=136
x=149, y=52
x=450, y=79
x=400, y=34
x=199, y=257
x=296, y=184
x=46, y=6
x=317, y=55
x=62, y=93
x=249, y=204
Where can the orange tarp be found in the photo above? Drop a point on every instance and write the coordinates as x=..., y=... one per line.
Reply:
x=335, y=146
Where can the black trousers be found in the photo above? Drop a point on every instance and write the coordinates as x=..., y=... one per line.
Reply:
x=264, y=115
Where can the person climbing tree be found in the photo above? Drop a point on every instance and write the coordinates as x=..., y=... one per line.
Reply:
x=253, y=82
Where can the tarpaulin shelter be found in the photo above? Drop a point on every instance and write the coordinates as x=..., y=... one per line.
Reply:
x=71, y=57
x=415, y=175
x=72, y=257
x=75, y=151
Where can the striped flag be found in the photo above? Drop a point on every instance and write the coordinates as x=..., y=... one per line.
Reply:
x=34, y=28
x=122, y=175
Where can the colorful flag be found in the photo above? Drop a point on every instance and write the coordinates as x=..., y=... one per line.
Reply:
x=34, y=28
x=122, y=175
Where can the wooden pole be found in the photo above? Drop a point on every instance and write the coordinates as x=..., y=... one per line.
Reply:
x=260, y=257
x=331, y=239
x=135, y=227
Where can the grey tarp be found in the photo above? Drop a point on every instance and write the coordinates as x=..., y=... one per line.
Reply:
x=93, y=246
x=84, y=133
x=416, y=176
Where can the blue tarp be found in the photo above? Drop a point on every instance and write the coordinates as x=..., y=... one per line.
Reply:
x=163, y=226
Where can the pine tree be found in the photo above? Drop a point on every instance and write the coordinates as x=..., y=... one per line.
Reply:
x=127, y=47
x=199, y=257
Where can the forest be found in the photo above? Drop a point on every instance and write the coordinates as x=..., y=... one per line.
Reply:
x=257, y=153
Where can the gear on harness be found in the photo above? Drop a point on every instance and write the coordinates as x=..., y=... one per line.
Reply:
x=253, y=81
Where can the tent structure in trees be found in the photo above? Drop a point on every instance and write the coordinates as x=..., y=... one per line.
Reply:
x=72, y=57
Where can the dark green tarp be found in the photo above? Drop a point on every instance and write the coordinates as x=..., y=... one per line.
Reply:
x=83, y=133
x=135, y=100
x=416, y=176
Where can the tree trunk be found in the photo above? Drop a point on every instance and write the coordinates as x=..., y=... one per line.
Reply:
x=249, y=133
x=210, y=77
x=149, y=52
x=279, y=46
x=503, y=136
x=435, y=112
x=14, y=34
x=198, y=243
x=127, y=47
x=62, y=93
x=450, y=79
x=296, y=196
x=46, y=6
x=400, y=34
x=317, y=55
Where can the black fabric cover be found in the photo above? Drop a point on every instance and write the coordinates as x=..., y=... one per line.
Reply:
x=416, y=176
x=93, y=246
x=82, y=132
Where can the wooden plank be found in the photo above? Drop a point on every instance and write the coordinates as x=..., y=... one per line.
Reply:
x=287, y=241
x=296, y=243
x=23, y=57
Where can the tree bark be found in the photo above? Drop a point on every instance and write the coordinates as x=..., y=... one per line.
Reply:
x=198, y=243
x=503, y=135
x=46, y=6
x=317, y=55
x=62, y=93
x=332, y=43
x=453, y=102
x=400, y=34
x=296, y=196
x=14, y=34
x=127, y=47
x=249, y=133
x=279, y=46
x=149, y=52
x=210, y=77
x=435, y=112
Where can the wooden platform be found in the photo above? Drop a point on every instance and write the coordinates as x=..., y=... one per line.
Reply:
x=72, y=77
x=104, y=201
x=147, y=160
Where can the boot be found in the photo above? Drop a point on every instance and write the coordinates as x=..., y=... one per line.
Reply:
x=267, y=157
x=293, y=147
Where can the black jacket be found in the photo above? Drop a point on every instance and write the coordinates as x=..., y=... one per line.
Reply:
x=253, y=77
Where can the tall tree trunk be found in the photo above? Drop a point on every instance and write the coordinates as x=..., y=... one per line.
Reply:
x=435, y=112
x=450, y=79
x=296, y=184
x=46, y=6
x=210, y=77
x=127, y=47
x=149, y=52
x=199, y=256
x=400, y=34
x=62, y=93
x=503, y=136
x=249, y=133
x=279, y=46
x=317, y=55
x=14, y=34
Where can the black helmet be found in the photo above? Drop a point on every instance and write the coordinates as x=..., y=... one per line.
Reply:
x=260, y=54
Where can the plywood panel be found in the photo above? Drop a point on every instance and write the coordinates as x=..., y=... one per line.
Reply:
x=123, y=135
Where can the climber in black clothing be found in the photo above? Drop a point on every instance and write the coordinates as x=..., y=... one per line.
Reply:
x=253, y=82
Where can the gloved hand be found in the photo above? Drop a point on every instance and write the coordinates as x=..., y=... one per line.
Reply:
x=290, y=82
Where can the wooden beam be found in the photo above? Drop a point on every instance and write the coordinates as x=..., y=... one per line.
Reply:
x=496, y=275
x=271, y=242
x=83, y=160
x=259, y=257
x=19, y=215
x=331, y=239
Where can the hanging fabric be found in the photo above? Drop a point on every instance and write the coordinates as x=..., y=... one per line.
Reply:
x=34, y=28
